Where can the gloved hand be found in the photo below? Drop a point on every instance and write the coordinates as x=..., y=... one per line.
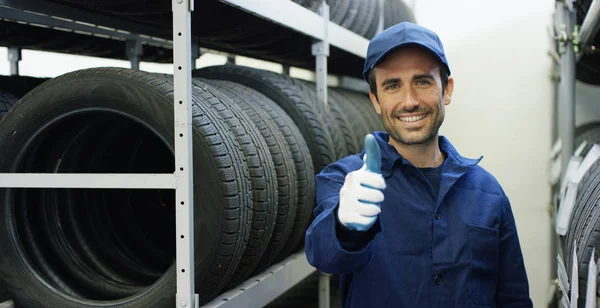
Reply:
x=362, y=191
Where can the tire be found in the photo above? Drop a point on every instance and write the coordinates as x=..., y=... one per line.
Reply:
x=590, y=133
x=262, y=176
x=584, y=227
x=374, y=24
x=338, y=10
x=397, y=11
x=290, y=96
x=144, y=103
x=331, y=117
x=284, y=203
x=302, y=162
x=363, y=103
x=359, y=127
x=7, y=100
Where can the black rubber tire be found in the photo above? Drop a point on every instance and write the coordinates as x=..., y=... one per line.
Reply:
x=222, y=194
x=397, y=11
x=338, y=10
x=365, y=106
x=374, y=24
x=289, y=95
x=265, y=211
x=590, y=133
x=352, y=14
x=303, y=166
x=584, y=227
x=7, y=100
x=340, y=125
x=368, y=18
x=287, y=198
x=359, y=126
x=331, y=117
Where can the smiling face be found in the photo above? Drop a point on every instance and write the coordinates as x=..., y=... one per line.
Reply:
x=410, y=96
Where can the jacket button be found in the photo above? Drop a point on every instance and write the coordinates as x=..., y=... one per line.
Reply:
x=437, y=280
x=438, y=215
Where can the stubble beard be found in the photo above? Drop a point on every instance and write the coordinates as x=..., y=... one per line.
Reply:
x=426, y=135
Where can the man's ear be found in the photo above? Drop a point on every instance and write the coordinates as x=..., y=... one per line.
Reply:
x=448, y=91
x=375, y=102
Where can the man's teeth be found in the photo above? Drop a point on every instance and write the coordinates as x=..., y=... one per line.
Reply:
x=412, y=119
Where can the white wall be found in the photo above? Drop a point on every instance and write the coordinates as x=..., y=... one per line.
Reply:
x=501, y=108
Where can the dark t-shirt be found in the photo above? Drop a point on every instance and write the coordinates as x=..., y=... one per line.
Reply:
x=434, y=176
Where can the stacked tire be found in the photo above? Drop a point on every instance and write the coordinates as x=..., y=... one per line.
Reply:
x=258, y=140
x=362, y=16
x=584, y=224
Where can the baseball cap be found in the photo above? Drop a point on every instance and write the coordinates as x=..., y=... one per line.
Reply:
x=403, y=34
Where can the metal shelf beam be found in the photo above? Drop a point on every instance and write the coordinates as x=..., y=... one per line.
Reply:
x=265, y=287
x=305, y=21
x=88, y=180
x=61, y=17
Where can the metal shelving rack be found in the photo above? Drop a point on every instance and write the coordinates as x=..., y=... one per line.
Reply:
x=571, y=41
x=258, y=290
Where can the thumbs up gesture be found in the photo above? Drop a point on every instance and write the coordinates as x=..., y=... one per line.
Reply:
x=361, y=193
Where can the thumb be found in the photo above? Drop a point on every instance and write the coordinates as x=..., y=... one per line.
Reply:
x=372, y=154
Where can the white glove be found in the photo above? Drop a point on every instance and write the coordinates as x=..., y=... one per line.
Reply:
x=361, y=193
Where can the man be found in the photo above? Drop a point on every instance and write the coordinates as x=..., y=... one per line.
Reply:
x=415, y=224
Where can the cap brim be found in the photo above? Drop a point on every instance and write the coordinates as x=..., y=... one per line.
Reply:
x=407, y=44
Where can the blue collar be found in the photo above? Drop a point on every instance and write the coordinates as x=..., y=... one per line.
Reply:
x=389, y=155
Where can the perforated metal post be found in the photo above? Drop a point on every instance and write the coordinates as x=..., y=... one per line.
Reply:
x=14, y=56
x=320, y=49
x=182, y=73
x=134, y=51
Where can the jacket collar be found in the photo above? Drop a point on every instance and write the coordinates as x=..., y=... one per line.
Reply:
x=455, y=163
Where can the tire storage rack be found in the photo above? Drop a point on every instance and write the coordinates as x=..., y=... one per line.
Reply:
x=575, y=158
x=125, y=188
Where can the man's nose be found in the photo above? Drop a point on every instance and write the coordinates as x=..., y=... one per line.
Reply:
x=410, y=100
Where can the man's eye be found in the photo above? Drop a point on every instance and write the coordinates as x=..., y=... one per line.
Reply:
x=391, y=87
x=422, y=82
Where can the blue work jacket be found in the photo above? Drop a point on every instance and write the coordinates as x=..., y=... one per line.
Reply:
x=456, y=248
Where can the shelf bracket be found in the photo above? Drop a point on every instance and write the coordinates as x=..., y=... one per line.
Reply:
x=320, y=49
x=14, y=56
x=182, y=100
x=134, y=51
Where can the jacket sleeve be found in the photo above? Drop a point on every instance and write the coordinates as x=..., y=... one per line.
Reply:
x=329, y=246
x=513, y=286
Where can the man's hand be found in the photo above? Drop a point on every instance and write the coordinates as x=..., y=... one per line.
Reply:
x=362, y=191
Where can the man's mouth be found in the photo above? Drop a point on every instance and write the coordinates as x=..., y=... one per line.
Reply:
x=412, y=118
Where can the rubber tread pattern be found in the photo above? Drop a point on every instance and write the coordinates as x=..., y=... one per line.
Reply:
x=210, y=133
x=289, y=95
x=286, y=203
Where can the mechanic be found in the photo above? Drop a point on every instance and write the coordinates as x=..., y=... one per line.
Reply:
x=409, y=222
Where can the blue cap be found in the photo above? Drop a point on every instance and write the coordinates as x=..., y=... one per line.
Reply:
x=403, y=34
